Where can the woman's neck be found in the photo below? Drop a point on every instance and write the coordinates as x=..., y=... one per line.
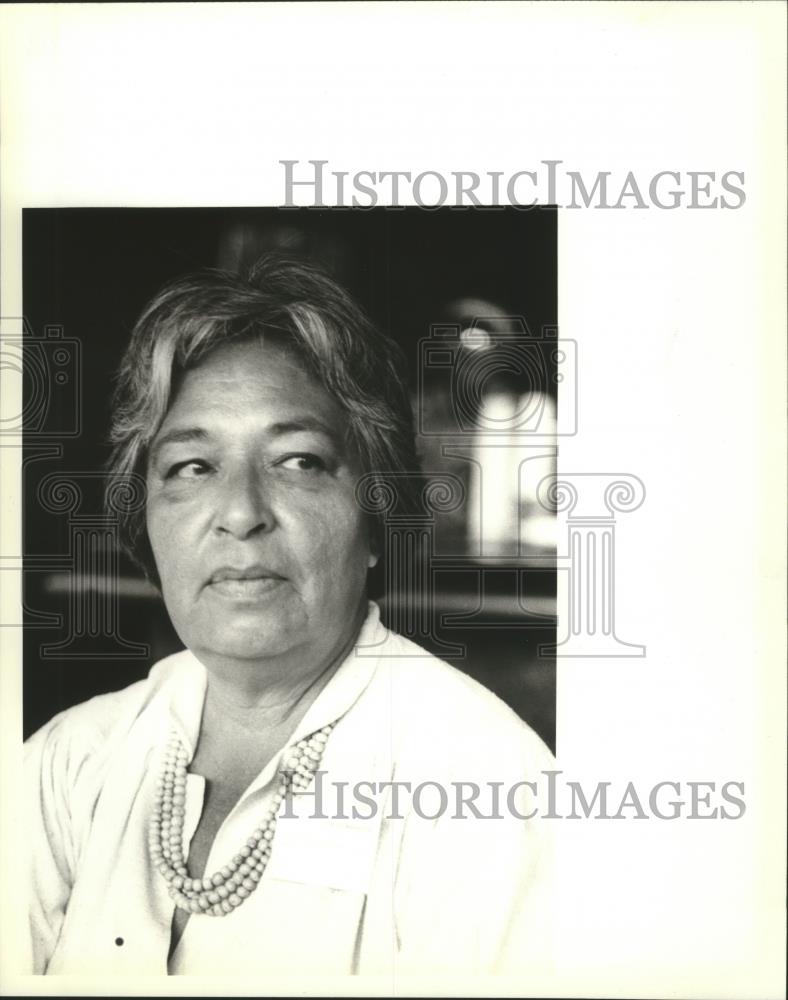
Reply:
x=275, y=691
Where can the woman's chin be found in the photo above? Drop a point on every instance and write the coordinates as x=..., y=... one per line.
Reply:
x=245, y=638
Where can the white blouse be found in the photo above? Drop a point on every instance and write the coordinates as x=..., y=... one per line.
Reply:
x=419, y=884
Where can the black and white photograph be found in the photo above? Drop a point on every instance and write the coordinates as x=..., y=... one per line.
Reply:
x=392, y=519
x=272, y=509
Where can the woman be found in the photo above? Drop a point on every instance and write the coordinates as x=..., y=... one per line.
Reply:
x=209, y=819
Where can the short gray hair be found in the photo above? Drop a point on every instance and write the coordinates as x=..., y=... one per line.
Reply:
x=296, y=304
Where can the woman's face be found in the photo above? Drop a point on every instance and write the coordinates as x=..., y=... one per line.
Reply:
x=260, y=546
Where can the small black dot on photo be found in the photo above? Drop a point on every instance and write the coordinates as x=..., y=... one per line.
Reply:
x=119, y=941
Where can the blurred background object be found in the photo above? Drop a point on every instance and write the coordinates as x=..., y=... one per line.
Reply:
x=470, y=295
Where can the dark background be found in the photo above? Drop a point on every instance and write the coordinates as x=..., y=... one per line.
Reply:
x=87, y=275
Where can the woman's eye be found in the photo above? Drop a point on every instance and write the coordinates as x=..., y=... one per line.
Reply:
x=304, y=463
x=192, y=469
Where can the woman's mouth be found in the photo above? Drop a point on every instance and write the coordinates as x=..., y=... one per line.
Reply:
x=244, y=584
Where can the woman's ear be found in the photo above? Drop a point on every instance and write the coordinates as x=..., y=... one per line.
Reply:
x=374, y=544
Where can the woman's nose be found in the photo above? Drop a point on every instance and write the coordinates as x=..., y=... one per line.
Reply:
x=243, y=505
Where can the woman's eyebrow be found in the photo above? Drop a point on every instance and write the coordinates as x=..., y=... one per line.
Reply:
x=302, y=423
x=186, y=435
x=178, y=435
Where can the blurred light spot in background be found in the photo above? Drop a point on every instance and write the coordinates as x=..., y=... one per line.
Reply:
x=475, y=339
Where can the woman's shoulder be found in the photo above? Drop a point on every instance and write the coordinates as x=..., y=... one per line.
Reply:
x=92, y=725
x=436, y=703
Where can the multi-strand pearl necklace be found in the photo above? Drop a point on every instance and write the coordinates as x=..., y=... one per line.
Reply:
x=219, y=894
